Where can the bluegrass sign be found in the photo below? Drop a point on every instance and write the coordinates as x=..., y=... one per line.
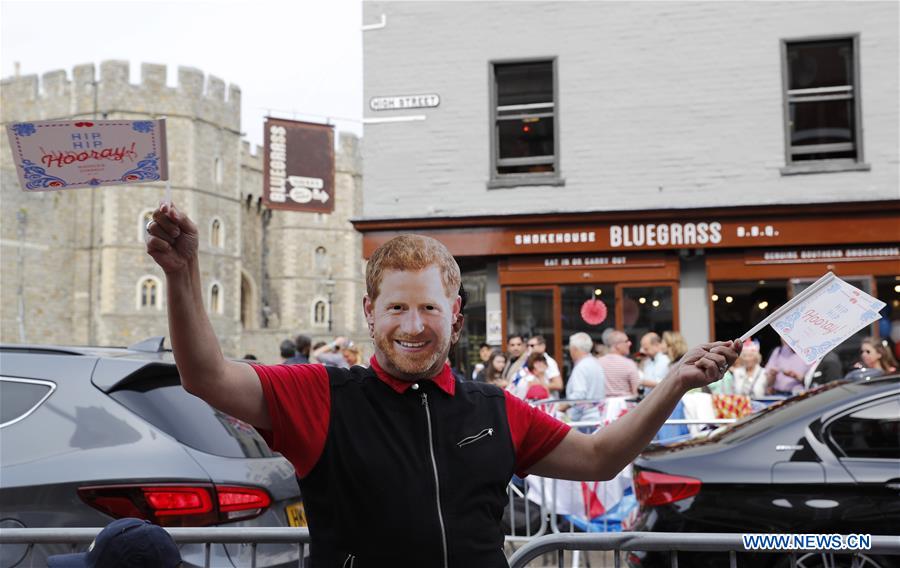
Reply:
x=54, y=155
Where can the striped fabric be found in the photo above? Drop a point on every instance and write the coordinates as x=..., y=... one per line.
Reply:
x=622, y=377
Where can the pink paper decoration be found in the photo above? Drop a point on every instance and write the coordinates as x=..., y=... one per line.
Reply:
x=593, y=312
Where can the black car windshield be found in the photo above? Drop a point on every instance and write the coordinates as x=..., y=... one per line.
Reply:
x=162, y=402
x=780, y=412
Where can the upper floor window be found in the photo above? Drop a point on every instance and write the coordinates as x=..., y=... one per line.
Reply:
x=217, y=171
x=821, y=96
x=149, y=293
x=524, y=134
x=216, y=233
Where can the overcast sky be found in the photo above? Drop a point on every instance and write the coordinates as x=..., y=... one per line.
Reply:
x=301, y=59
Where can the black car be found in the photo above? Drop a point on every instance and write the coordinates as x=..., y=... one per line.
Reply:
x=824, y=462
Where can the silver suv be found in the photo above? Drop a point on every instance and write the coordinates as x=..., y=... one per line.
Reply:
x=92, y=434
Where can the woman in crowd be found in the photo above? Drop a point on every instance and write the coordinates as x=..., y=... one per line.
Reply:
x=748, y=375
x=532, y=383
x=874, y=354
x=674, y=344
x=493, y=372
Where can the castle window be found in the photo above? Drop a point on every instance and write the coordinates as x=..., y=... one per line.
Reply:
x=320, y=313
x=215, y=298
x=217, y=171
x=216, y=234
x=321, y=260
x=149, y=293
x=146, y=217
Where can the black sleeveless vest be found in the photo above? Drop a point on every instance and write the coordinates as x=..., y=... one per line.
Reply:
x=415, y=479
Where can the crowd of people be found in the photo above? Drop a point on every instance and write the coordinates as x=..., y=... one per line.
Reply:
x=612, y=367
x=339, y=352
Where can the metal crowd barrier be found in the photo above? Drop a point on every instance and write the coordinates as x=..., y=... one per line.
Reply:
x=540, y=545
x=673, y=543
x=186, y=535
x=520, y=527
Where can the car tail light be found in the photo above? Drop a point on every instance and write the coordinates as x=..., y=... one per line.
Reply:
x=652, y=488
x=178, y=505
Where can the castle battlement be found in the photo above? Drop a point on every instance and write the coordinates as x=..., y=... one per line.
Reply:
x=56, y=96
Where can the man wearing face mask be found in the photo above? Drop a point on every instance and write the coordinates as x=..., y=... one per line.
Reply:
x=400, y=452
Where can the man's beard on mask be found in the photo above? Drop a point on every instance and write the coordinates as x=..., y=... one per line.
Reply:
x=413, y=368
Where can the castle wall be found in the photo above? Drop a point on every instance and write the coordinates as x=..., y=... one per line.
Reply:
x=71, y=261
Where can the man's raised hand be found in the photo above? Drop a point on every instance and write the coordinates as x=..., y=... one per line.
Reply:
x=172, y=238
x=706, y=363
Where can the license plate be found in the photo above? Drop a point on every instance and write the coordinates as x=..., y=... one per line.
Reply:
x=296, y=515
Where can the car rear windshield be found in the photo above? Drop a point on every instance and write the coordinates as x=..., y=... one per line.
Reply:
x=162, y=402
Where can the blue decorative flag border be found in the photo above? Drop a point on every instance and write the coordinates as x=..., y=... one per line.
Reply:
x=137, y=153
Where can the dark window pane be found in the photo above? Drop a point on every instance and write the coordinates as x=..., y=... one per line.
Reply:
x=525, y=138
x=872, y=432
x=535, y=169
x=820, y=64
x=18, y=398
x=646, y=309
x=826, y=122
x=524, y=83
x=191, y=421
x=573, y=297
x=530, y=314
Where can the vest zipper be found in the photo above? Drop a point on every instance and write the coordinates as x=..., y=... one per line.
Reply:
x=472, y=439
x=437, y=484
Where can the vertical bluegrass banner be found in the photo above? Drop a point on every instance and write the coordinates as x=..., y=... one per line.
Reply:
x=298, y=168
x=55, y=154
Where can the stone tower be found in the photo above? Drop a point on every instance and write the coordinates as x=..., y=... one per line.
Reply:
x=73, y=265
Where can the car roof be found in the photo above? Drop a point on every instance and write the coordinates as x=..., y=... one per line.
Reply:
x=149, y=350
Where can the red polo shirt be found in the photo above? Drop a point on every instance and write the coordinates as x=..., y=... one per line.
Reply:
x=299, y=402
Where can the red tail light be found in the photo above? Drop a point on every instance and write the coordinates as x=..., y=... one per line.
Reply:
x=652, y=488
x=178, y=505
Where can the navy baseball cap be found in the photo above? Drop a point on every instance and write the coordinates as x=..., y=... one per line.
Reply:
x=125, y=543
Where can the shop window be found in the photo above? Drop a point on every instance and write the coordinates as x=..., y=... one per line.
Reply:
x=822, y=115
x=888, y=291
x=216, y=303
x=524, y=130
x=149, y=293
x=646, y=309
x=738, y=306
x=530, y=312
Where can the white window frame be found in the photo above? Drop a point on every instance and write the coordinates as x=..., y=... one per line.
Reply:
x=139, y=293
x=498, y=180
x=789, y=96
